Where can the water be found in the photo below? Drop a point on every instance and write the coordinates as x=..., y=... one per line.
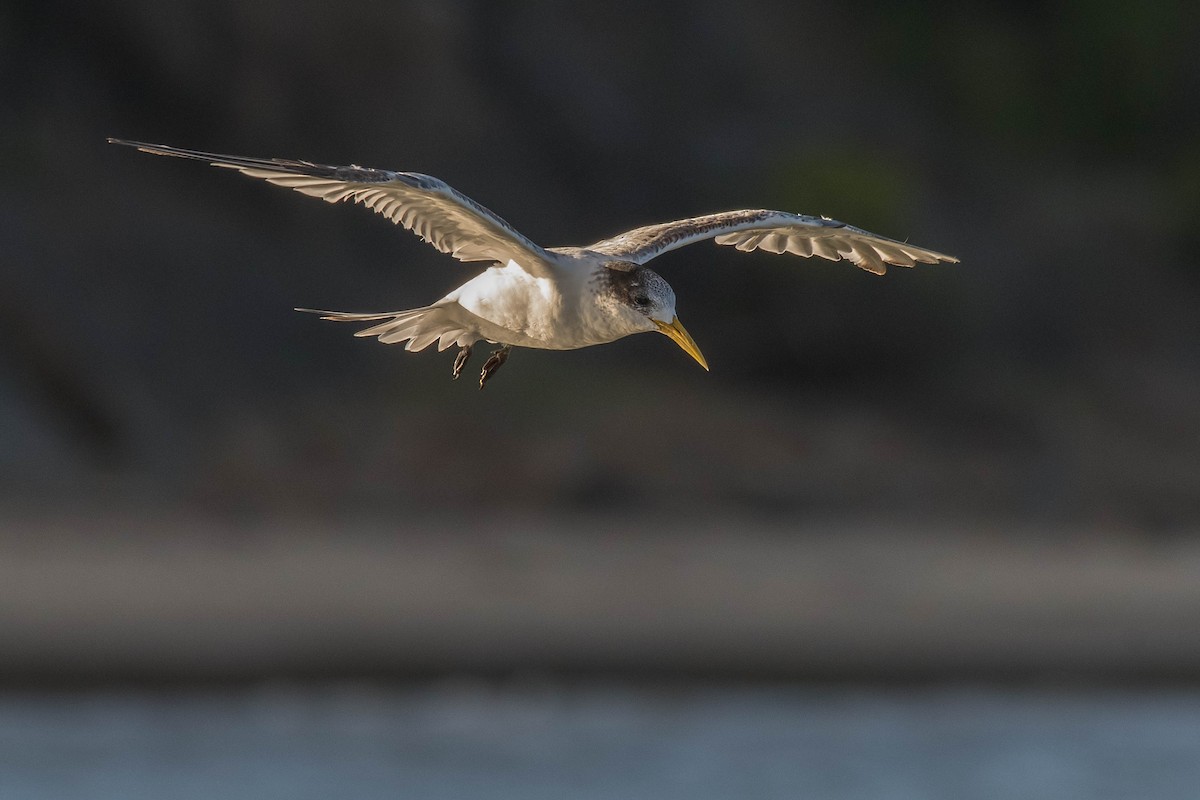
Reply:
x=569, y=742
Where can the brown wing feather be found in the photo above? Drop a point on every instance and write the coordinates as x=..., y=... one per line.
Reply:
x=775, y=232
x=446, y=218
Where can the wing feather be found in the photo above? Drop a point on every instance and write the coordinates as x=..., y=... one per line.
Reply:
x=774, y=232
x=447, y=219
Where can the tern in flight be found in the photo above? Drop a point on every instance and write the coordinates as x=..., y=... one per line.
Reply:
x=554, y=298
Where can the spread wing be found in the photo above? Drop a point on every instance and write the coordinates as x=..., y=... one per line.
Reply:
x=439, y=214
x=775, y=232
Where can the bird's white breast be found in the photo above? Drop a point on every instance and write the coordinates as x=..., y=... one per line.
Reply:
x=557, y=312
x=528, y=308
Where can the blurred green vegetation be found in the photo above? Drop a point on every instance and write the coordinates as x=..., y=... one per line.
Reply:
x=1095, y=80
x=877, y=189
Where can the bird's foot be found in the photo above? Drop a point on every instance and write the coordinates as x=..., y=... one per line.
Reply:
x=460, y=360
x=494, y=362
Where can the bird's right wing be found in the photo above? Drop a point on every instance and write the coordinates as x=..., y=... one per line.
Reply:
x=427, y=206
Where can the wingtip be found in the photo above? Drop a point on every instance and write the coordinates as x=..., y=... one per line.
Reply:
x=152, y=149
x=144, y=147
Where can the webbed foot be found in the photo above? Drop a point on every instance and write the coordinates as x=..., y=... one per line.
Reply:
x=460, y=360
x=494, y=362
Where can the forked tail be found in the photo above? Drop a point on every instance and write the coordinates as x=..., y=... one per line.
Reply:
x=420, y=327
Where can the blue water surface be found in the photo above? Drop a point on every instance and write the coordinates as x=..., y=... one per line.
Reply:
x=466, y=740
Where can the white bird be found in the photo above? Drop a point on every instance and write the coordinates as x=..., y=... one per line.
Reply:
x=554, y=298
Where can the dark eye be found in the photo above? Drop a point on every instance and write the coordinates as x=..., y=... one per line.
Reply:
x=641, y=300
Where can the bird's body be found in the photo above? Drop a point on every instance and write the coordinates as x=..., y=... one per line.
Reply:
x=559, y=298
x=549, y=312
x=576, y=306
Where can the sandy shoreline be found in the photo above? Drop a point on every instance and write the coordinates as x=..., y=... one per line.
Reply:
x=162, y=598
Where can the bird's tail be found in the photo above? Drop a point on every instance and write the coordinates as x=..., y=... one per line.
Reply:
x=420, y=327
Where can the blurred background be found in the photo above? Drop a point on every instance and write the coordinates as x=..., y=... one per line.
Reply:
x=932, y=534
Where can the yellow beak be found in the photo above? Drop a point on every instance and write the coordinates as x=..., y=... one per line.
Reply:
x=679, y=334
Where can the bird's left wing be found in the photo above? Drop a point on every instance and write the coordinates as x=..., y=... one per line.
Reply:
x=775, y=232
x=435, y=211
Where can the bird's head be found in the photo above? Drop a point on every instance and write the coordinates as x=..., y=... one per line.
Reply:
x=647, y=302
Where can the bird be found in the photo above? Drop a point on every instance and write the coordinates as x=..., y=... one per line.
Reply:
x=552, y=298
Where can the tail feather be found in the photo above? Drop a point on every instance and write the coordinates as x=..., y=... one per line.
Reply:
x=420, y=327
x=350, y=316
